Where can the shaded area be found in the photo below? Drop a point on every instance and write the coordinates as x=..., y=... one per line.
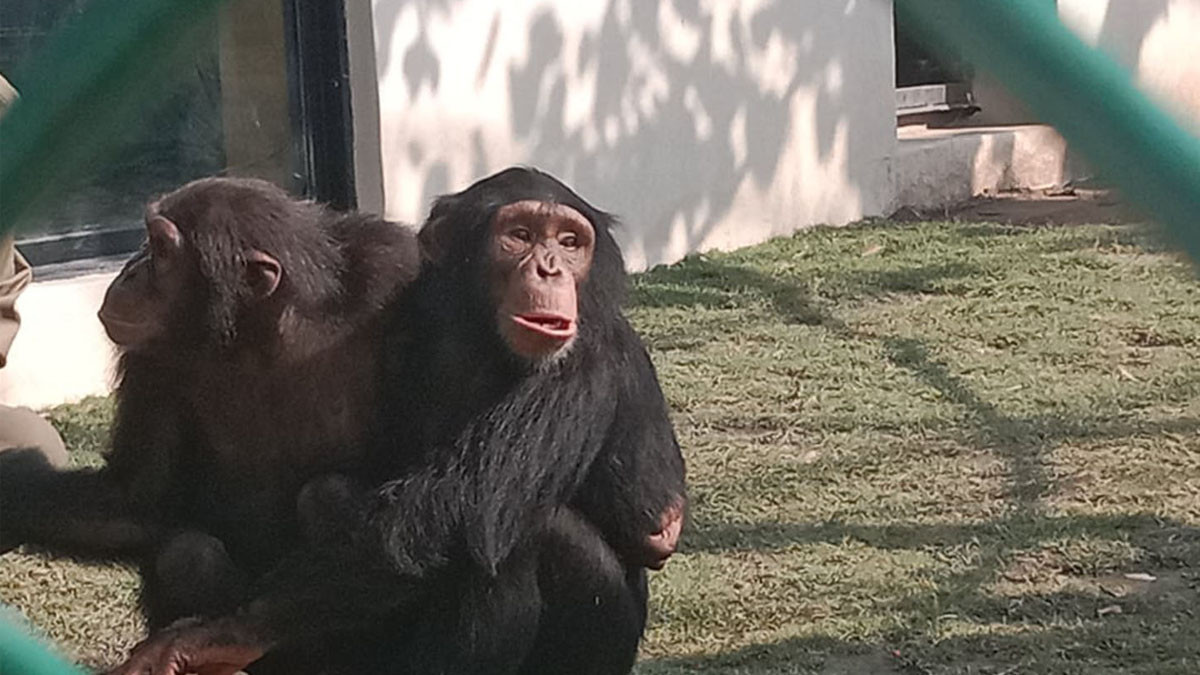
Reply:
x=823, y=655
x=1070, y=206
x=1143, y=530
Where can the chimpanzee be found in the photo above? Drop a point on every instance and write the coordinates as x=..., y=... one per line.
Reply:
x=537, y=471
x=248, y=328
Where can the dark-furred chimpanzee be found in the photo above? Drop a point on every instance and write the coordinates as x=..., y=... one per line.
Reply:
x=547, y=475
x=249, y=329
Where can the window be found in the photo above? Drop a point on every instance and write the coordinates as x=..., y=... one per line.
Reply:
x=931, y=88
x=268, y=96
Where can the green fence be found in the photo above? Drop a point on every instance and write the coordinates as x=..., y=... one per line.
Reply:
x=99, y=72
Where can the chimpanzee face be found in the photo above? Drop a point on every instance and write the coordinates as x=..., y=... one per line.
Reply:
x=160, y=287
x=539, y=255
x=139, y=301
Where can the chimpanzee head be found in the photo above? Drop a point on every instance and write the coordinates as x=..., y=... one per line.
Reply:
x=216, y=250
x=538, y=261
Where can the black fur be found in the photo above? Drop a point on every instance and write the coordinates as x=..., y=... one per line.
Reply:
x=523, y=487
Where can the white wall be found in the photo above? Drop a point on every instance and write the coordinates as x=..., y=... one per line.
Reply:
x=1158, y=40
x=61, y=353
x=702, y=123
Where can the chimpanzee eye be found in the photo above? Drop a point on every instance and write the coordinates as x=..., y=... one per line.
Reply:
x=569, y=240
x=521, y=234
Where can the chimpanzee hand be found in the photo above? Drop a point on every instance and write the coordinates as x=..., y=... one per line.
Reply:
x=191, y=647
x=661, y=544
x=20, y=470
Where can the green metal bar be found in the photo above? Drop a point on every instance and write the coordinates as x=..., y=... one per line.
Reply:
x=20, y=654
x=96, y=76
x=1087, y=96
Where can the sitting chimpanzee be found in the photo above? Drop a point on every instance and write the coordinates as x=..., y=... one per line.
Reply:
x=547, y=475
x=249, y=328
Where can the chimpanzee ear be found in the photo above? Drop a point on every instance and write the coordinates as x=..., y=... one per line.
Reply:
x=263, y=272
x=165, y=240
x=435, y=235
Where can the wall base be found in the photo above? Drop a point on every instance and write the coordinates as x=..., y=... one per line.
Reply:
x=935, y=168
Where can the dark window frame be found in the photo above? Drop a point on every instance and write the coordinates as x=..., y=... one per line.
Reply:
x=319, y=88
x=932, y=87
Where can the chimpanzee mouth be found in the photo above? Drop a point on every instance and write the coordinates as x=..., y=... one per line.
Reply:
x=119, y=330
x=550, y=325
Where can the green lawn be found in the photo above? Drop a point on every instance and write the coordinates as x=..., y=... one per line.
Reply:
x=913, y=448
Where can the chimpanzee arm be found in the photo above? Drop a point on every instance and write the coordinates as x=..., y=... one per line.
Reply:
x=108, y=512
x=343, y=579
x=596, y=435
x=80, y=512
x=639, y=476
x=314, y=593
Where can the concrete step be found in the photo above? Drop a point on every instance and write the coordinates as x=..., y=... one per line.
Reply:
x=935, y=168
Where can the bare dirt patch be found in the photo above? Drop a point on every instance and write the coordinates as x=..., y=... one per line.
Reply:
x=1070, y=206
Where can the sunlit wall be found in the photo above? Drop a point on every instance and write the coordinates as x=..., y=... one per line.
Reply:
x=702, y=123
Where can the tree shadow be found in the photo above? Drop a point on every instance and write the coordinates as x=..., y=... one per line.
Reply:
x=699, y=281
x=670, y=111
x=1098, y=644
x=1175, y=541
x=820, y=654
x=1007, y=436
x=1020, y=441
x=1125, y=27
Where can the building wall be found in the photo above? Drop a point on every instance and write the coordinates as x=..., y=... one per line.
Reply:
x=704, y=124
x=61, y=352
x=1158, y=40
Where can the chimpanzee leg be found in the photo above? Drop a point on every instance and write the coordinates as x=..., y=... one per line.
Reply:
x=466, y=620
x=566, y=605
x=476, y=622
x=191, y=575
x=563, y=604
x=594, y=606
x=328, y=509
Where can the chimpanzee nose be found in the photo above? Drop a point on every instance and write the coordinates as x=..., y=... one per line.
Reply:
x=547, y=266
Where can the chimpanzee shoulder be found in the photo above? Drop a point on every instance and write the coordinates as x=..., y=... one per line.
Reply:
x=381, y=259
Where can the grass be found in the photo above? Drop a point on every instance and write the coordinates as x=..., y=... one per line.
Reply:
x=913, y=448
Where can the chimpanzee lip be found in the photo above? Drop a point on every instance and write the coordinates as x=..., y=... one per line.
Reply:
x=111, y=321
x=554, y=326
x=120, y=331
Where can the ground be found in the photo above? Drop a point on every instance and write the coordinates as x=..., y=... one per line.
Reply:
x=913, y=448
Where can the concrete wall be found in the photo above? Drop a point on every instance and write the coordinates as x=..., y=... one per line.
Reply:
x=61, y=352
x=936, y=168
x=703, y=123
x=1158, y=40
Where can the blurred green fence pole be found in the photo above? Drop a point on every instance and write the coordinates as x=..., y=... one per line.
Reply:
x=1087, y=96
x=20, y=654
x=92, y=79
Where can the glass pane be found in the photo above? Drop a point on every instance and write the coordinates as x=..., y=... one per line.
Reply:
x=227, y=112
